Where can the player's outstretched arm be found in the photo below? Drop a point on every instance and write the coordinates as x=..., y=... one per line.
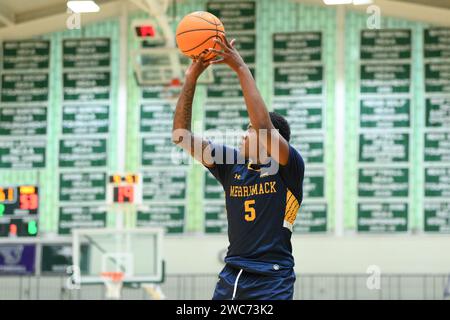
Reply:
x=181, y=130
x=256, y=108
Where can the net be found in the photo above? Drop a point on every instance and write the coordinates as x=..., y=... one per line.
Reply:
x=113, y=282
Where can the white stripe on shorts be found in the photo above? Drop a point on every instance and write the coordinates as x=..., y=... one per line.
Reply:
x=235, y=284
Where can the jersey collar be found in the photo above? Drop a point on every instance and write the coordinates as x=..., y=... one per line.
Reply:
x=256, y=167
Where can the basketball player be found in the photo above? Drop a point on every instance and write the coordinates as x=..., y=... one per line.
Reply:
x=261, y=205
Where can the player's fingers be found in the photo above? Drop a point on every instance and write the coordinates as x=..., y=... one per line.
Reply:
x=221, y=44
x=201, y=56
x=218, y=61
x=232, y=42
x=227, y=43
x=219, y=52
x=205, y=63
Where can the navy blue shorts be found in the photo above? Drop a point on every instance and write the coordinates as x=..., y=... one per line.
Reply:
x=237, y=284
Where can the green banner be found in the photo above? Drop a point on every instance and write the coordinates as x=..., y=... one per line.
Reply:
x=156, y=117
x=226, y=83
x=22, y=154
x=26, y=55
x=437, y=77
x=213, y=189
x=234, y=15
x=225, y=116
x=383, y=182
x=80, y=187
x=159, y=92
x=385, y=44
x=159, y=150
x=23, y=120
x=313, y=184
x=311, y=217
x=245, y=44
x=86, y=53
x=170, y=217
x=385, y=78
x=301, y=114
x=437, y=147
x=298, y=91
x=239, y=19
x=164, y=185
x=310, y=146
x=384, y=147
x=436, y=155
x=29, y=87
x=85, y=119
x=437, y=182
x=86, y=85
x=297, y=47
x=436, y=43
x=383, y=113
x=437, y=112
x=382, y=217
x=82, y=153
x=437, y=217
x=298, y=81
x=215, y=217
x=75, y=217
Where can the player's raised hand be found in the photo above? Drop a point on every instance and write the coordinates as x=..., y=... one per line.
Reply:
x=228, y=55
x=196, y=68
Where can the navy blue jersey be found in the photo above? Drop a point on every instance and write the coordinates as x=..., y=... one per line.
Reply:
x=261, y=210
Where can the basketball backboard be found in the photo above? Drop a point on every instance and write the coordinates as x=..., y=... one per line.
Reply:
x=137, y=253
x=161, y=65
x=155, y=59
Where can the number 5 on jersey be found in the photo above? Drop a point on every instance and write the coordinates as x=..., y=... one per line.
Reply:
x=250, y=211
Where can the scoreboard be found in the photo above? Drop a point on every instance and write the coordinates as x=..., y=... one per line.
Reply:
x=19, y=208
x=124, y=189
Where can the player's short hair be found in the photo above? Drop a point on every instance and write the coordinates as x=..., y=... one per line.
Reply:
x=280, y=123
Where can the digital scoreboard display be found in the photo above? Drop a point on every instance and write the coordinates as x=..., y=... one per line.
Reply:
x=125, y=188
x=19, y=208
x=144, y=31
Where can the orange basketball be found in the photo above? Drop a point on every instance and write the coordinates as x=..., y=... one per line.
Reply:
x=196, y=33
